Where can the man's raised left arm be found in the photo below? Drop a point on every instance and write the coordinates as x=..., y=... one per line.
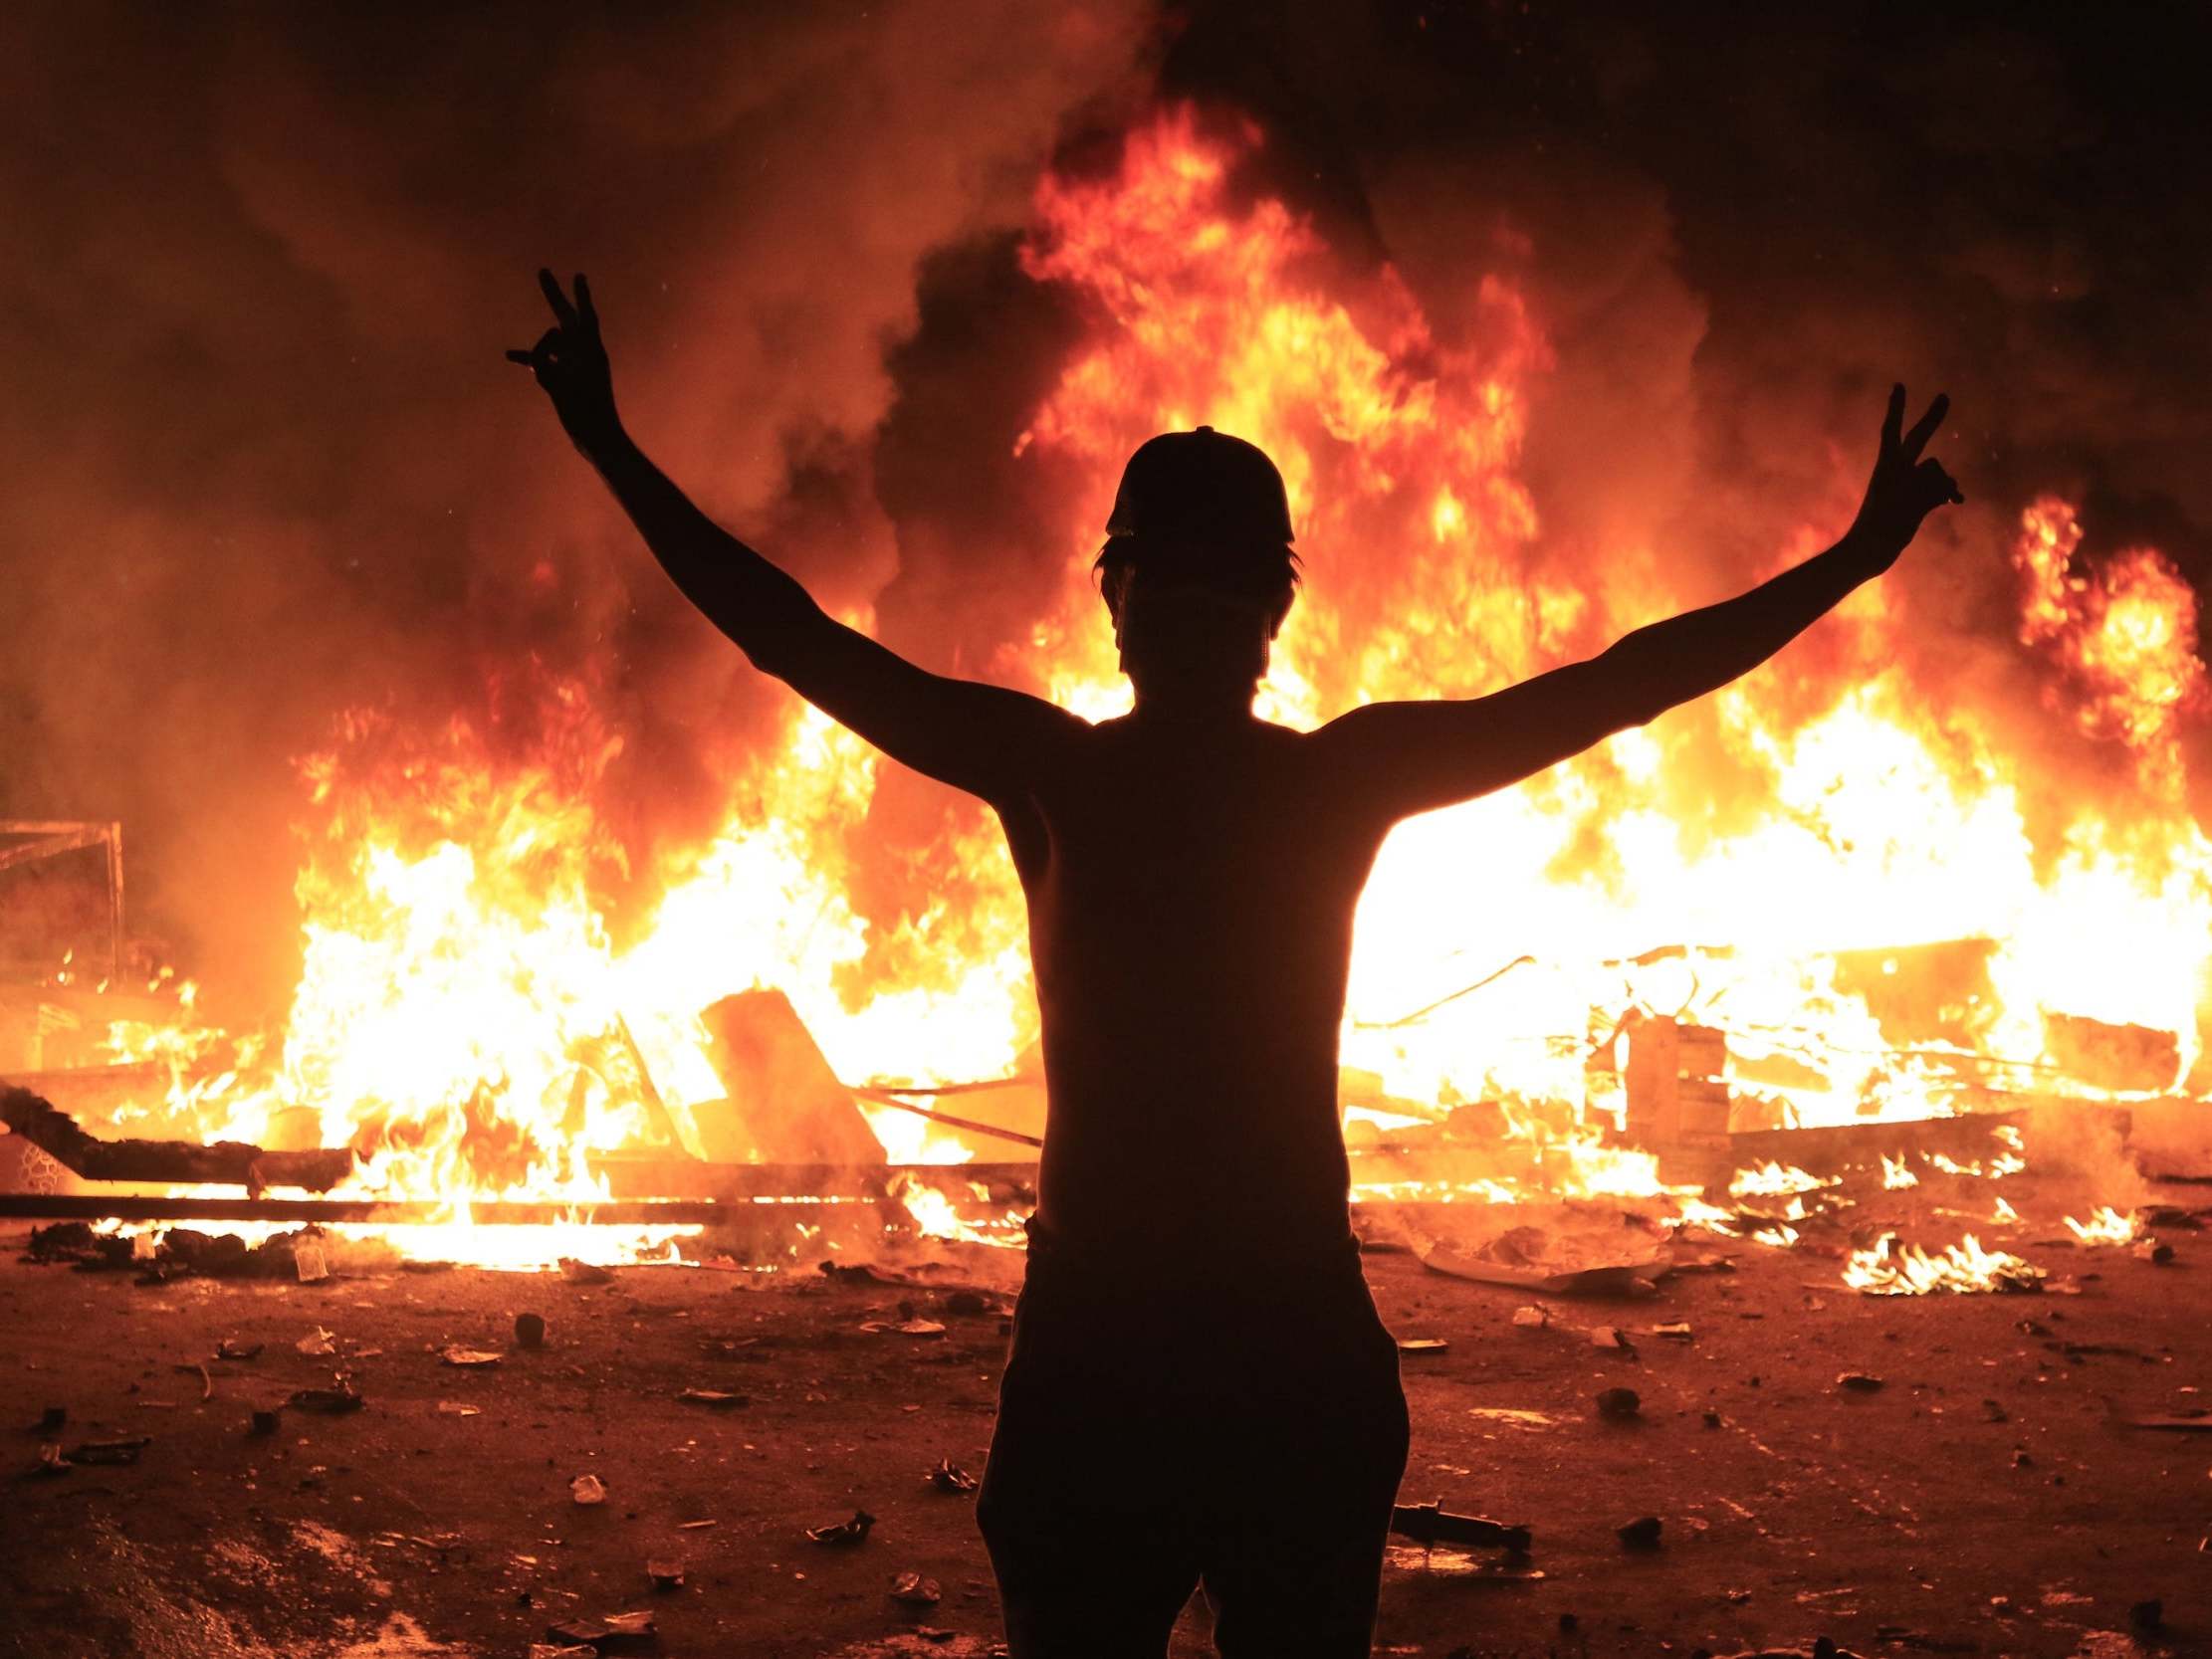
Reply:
x=1409, y=757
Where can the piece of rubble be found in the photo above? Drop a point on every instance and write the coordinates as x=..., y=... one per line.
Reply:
x=1618, y=1405
x=340, y=1397
x=1712, y=1417
x=2155, y=1251
x=843, y=1534
x=50, y=1461
x=231, y=1349
x=1679, y=1331
x=317, y=1341
x=455, y=1408
x=2170, y=1215
x=1609, y=1336
x=857, y=1273
x=308, y=1262
x=2195, y=1421
x=530, y=1331
x=588, y=1489
x=1858, y=1382
x=110, y=1451
x=585, y=1273
x=470, y=1359
x=1531, y=1317
x=714, y=1399
x=666, y=1575
x=1641, y=1533
x=948, y=1476
x=1434, y=1524
x=906, y=1326
x=1633, y=1278
x=915, y=1590
x=1993, y=1412
x=1421, y=1344
x=562, y=1650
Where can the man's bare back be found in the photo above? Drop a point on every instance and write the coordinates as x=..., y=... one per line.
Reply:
x=1191, y=893
x=1192, y=873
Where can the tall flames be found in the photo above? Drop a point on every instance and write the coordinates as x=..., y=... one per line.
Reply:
x=473, y=1023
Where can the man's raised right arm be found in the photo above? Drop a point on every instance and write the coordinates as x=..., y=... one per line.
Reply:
x=986, y=739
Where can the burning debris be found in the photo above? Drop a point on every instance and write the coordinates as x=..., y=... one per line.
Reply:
x=1907, y=1270
x=471, y=1030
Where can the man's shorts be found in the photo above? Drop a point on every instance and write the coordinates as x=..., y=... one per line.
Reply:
x=1239, y=1427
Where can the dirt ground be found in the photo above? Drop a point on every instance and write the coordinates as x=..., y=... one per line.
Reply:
x=1984, y=1499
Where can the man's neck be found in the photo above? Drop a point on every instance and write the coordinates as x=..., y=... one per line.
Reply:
x=1191, y=714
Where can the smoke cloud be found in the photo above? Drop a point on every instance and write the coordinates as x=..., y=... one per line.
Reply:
x=263, y=460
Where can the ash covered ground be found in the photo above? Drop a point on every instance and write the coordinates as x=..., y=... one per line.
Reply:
x=1987, y=1497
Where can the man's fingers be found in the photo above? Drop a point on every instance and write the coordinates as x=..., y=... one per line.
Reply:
x=542, y=359
x=1893, y=420
x=554, y=298
x=584, y=307
x=1924, y=428
x=1939, y=486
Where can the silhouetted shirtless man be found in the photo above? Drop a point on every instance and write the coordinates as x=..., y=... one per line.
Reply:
x=1198, y=1387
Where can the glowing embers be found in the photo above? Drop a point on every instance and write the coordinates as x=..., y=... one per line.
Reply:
x=1891, y=1269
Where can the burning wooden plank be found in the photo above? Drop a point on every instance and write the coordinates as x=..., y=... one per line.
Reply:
x=785, y=1105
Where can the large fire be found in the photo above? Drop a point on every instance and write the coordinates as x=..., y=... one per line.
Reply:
x=472, y=1023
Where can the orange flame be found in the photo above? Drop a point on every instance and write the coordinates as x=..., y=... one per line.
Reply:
x=2125, y=635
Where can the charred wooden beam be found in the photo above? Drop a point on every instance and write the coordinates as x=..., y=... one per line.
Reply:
x=217, y=1164
x=629, y=1177
x=1863, y=1142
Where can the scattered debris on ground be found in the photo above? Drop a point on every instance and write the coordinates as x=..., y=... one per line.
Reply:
x=843, y=1534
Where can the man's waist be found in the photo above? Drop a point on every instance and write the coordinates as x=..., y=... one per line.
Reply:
x=1201, y=1249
